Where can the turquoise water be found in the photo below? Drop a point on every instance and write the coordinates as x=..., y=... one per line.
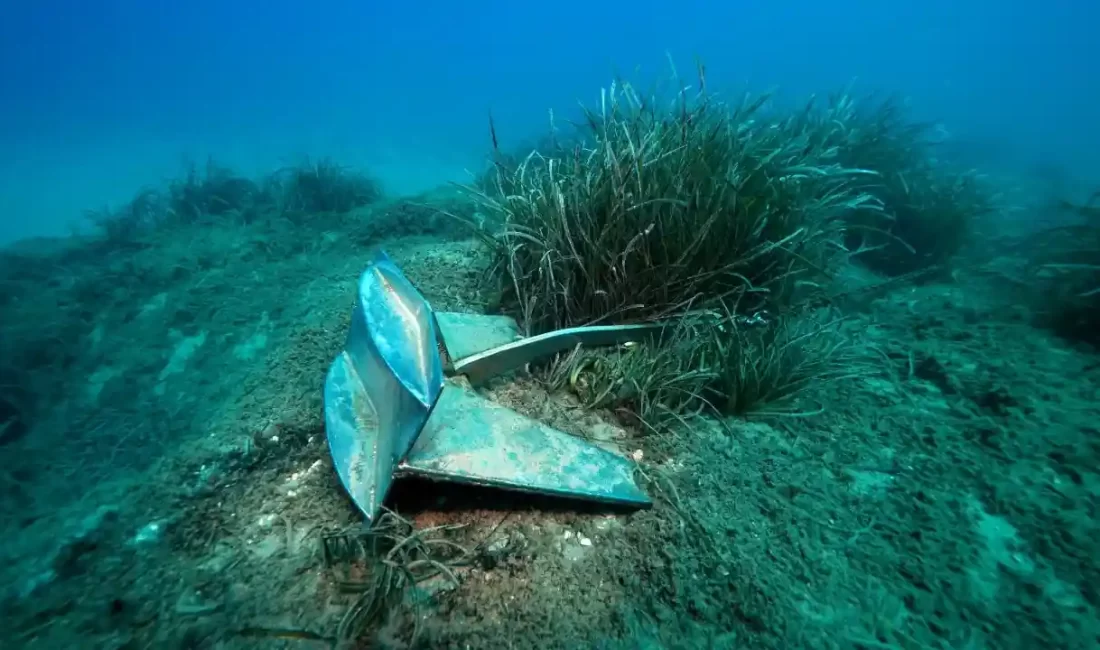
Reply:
x=100, y=99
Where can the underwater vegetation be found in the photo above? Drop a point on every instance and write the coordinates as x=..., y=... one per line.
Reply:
x=217, y=192
x=931, y=203
x=723, y=215
x=1065, y=272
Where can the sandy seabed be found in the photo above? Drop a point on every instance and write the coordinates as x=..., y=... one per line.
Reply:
x=179, y=492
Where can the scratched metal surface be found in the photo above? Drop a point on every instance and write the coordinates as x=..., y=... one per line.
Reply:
x=351, y=428
x=400, y=325
x=482, y=366
x=379, y=391
x=470, y=439
x=469, y=334
x=387, y=410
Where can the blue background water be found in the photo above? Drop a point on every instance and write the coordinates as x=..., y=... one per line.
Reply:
x=99, y=98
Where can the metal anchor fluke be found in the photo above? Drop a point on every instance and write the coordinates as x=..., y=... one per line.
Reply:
x=389, y=411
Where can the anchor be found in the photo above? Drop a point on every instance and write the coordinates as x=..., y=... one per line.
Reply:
x=400, y=400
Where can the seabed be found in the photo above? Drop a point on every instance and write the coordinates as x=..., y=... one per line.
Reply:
x=185, y=496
